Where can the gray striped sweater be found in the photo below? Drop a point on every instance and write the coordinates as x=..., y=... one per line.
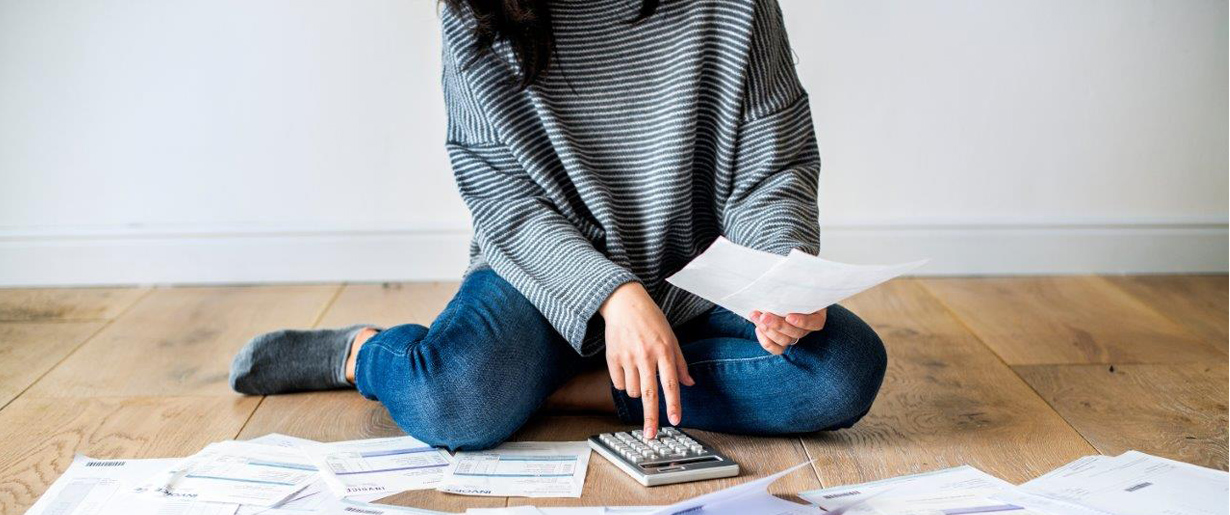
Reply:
x=642, y=144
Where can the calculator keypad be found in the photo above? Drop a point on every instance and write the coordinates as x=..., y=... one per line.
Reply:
x=669, y=444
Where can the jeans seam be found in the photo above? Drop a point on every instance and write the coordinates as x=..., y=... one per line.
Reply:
x=721, y=361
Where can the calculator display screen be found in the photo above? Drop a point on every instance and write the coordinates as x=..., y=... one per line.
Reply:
x=661, y=466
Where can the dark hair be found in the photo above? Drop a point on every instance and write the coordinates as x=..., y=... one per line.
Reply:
x=526, y=26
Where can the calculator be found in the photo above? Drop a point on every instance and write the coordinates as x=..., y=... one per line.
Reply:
x=671, y=457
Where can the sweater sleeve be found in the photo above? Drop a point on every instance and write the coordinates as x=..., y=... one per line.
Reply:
x=773, y=204
x=519, y=231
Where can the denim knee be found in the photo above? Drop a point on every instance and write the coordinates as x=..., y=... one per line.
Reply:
x=842, y=369
x=443, y=414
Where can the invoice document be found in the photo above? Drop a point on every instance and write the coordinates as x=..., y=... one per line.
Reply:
x=104, y=487
x=312, y=497
x=379, y=466
x=963, y=489
x=965, y=479
x=1135, y=483
x=744, y=280
x=236, y=472
x=520, y=469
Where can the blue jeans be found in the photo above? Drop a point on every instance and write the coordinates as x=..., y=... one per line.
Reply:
x=490, y=359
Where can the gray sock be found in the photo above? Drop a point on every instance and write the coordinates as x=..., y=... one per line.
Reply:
x=294, y=361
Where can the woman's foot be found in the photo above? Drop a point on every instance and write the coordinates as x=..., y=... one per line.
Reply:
x=294, y=361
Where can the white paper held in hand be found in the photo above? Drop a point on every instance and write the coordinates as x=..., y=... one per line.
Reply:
x=744, y=280
x=378, y=466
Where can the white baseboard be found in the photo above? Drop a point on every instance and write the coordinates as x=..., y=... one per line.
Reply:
x=107, y=256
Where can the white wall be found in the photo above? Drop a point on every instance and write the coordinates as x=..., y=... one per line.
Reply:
x=231, y=140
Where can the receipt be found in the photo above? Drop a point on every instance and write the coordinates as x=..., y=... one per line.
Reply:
x=743, y=280
x=520, y=469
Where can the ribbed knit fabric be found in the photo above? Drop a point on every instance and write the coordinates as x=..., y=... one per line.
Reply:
x=642, y=144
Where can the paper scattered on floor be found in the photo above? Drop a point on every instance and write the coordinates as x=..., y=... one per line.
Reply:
x=1135, y=483
x=749, y=497
x=743, y=280
x=520, y=469
x=236, y=472
x=348, y=506
x=105, y=487
x=590, y=510
x=379, y=466
x=263, y=469
x=855, y=498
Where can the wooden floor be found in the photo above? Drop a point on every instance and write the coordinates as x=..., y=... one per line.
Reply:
x=1012, y=375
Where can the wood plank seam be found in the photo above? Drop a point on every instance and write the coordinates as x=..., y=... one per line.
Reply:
x=105, y=324
x=971, y=331
x=1134, y=298
x=811, y=463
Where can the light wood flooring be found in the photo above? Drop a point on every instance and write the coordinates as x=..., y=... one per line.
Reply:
x=1012, y=375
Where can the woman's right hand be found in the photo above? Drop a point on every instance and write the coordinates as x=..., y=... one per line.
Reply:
x=640, y=347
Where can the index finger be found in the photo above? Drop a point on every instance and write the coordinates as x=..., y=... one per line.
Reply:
x=649, y=397
x=670, y=388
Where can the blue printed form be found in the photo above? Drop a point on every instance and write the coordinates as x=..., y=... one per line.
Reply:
x=520, y=469
x=361, y=468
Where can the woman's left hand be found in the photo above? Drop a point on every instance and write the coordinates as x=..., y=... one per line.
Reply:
x=777, y=333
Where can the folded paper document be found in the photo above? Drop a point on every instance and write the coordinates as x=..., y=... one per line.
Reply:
x=743, y=280
x=749, y=497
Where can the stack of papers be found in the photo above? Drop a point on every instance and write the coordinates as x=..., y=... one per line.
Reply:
x=744, y=280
